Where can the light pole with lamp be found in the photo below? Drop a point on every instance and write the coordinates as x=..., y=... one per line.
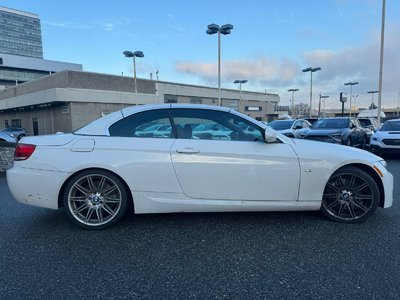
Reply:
x=319, y=105
x=240, y=82
x=351, y=88
x=372, y=103
x=130, y=54
x=311, y=70
x=292, y=90
x=225, y=30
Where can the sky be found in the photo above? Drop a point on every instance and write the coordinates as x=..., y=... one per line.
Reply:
x=270, y=44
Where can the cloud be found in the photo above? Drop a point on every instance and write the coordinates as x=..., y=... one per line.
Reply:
x=261, y=70
x=67, y=25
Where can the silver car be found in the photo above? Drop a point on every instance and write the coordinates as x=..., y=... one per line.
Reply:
x=5, y=137
x=17, y=132
x=387, y=138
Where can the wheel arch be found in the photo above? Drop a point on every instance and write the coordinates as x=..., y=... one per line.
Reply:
x=61, y=192
x=368, y=169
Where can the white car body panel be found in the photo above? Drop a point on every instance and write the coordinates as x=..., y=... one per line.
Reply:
x=161, y=179
x=234, y=170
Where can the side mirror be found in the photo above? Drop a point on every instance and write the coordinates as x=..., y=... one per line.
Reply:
x=270, y=135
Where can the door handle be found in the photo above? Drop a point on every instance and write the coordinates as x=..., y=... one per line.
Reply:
x=188, y=150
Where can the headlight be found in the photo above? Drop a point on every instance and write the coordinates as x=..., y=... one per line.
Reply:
x=375, y=139
x=383, y=163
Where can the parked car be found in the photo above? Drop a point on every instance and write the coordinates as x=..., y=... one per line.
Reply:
x=17, y=132
x=290, y=128
x=370, y=125
x=345, y=131
x=100, y=171
x=5, y=137
x=387, y=138
x=311, y=120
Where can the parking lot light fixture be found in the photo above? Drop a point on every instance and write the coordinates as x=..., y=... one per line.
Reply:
x=131, y=54
x=240, y=82
x=225, y=30
x=293, y=90
x=351, y=87
x=372, y=98
x=311, y=70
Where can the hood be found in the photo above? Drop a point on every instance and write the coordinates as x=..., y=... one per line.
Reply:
x=308, y=149
x=328, y=131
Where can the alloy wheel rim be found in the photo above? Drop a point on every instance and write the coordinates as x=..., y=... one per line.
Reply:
x=348, y=197
x=94, y=200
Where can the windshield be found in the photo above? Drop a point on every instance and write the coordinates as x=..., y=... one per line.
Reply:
x=331, y=123
x=391, y=126
x=281, y=125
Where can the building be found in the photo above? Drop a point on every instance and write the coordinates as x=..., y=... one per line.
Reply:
x=21, y=51
x=67, y=100
x=20, y=33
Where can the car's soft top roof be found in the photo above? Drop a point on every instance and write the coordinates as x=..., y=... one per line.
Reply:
x=100, y=126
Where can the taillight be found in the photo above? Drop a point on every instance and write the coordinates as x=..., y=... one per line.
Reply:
x=23, y=151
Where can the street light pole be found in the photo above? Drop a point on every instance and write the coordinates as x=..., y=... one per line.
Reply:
x=381, y=61
x=293, y=90
x=130, y=54
x=225, y=30
x=311, y=70
x=372, y=103
x=319, y=105
x=240, y=82
x=351, y=86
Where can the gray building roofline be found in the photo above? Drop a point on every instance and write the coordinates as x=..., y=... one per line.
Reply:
x=19, y=12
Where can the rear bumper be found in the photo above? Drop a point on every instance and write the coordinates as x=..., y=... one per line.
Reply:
x=35, y=187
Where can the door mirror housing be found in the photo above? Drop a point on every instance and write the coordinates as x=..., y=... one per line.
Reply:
x=270, y=135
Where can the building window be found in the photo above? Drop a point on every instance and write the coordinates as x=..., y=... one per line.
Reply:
x=6, y=124
x=16, y=123
x=234, y=104
x=196, y=100
x=170, y=99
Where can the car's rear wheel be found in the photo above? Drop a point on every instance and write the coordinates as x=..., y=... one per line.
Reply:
x=95, y=199
x=350, y=196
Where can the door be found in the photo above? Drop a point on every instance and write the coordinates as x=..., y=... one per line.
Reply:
x=35, y=125
x=231, y=163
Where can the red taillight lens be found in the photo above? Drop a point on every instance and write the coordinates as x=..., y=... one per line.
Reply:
x=23, y=151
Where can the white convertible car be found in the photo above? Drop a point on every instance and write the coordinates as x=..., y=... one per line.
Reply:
x=105, y=168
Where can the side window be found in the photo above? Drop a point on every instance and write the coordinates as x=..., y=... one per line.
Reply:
x=147, y=124
x=213, y=125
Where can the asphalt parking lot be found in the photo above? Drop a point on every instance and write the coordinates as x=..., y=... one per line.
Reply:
x=199, y=256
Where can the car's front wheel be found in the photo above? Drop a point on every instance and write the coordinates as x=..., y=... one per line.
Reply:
x=351, y=195
x=95, y=199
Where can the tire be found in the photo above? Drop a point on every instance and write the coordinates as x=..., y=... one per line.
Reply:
x=95, y=199
x=364, y=143
x=351, y=196
x=348, y=142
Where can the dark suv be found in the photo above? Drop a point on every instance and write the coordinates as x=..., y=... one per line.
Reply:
x=16, y=132
x=345, y=131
